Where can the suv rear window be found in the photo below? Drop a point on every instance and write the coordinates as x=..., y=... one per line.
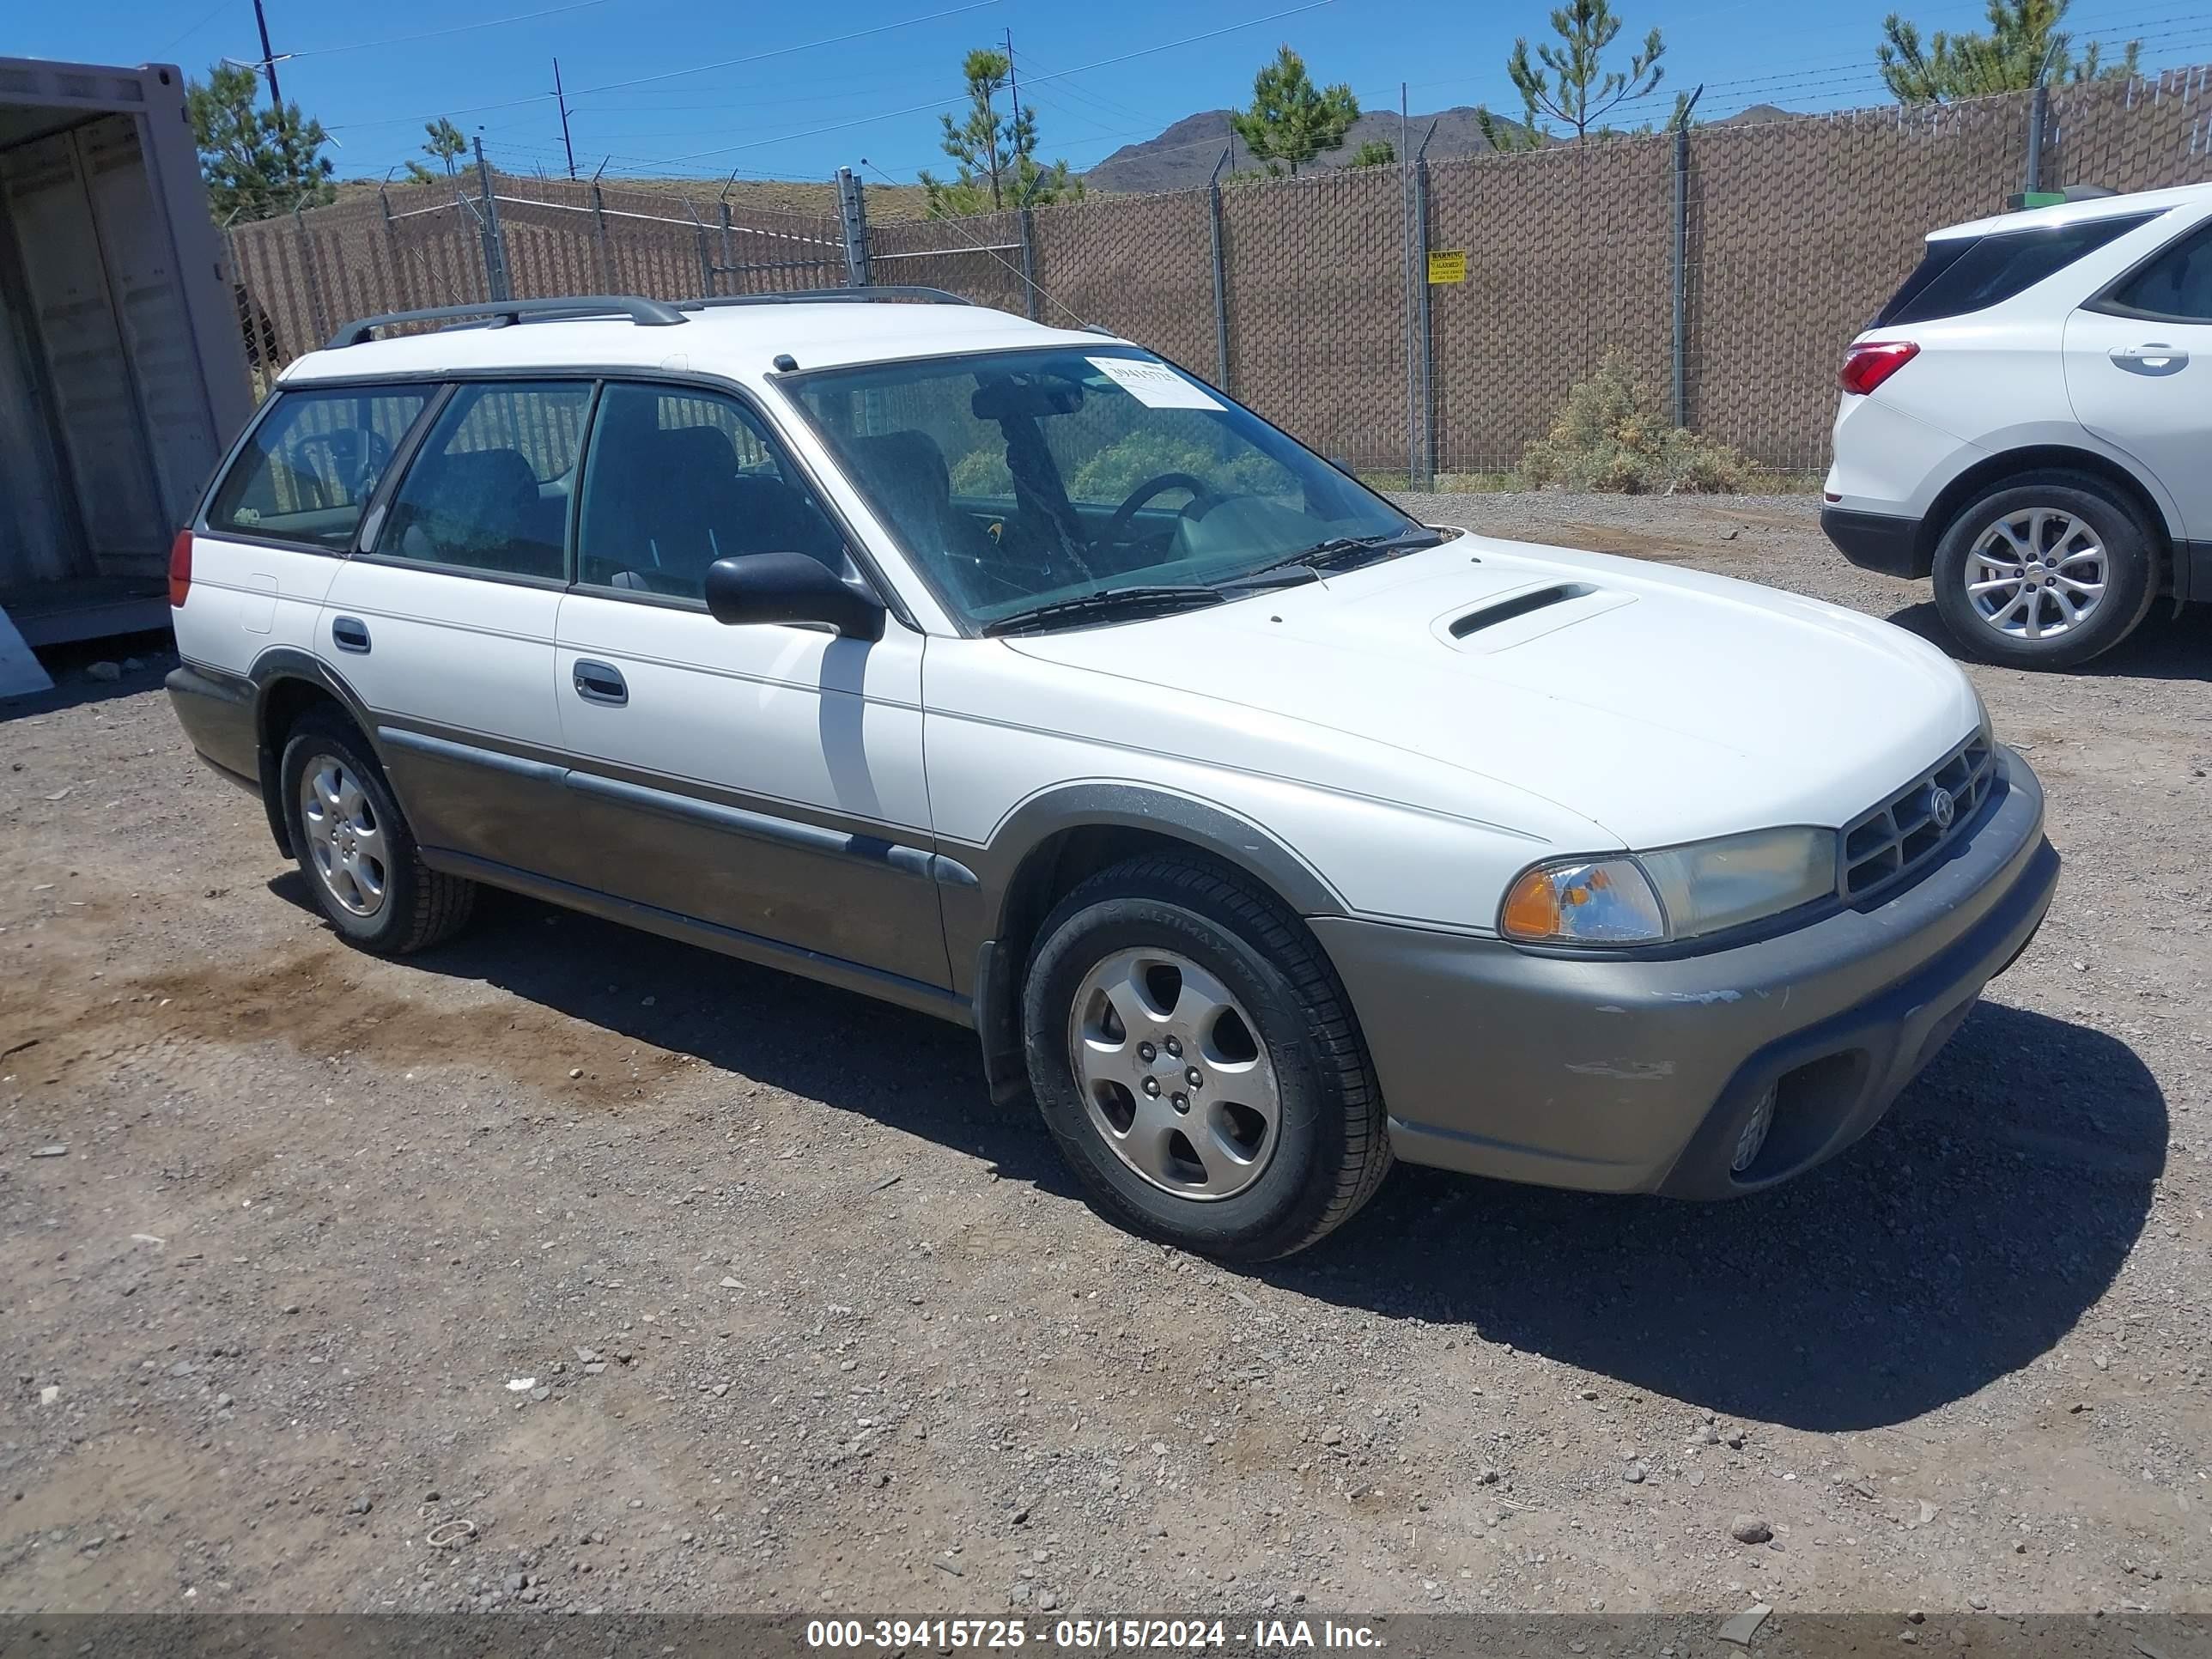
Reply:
x=1960, y=274
x=312, y=464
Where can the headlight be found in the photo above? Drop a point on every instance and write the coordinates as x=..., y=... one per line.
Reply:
x=1608, y=901
x=1680, y=892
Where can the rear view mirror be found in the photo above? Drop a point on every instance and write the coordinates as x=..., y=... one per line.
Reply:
x=1008, y=398
x=790, y=587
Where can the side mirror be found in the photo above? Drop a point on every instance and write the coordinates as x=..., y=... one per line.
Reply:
x=790, y=587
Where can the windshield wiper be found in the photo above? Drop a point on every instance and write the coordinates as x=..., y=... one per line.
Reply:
x=1129, y=603
x=1345, y=552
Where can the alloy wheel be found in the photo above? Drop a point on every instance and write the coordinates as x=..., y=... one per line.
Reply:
x=2037, y=572
x=345, y=842
x=1173, y=1074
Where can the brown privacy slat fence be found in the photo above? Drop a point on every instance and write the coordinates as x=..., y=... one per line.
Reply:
x=1731, y=263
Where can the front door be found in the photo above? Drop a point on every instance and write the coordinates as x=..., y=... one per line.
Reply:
x=764, y=779
x=2139, y=372
x=445, y=629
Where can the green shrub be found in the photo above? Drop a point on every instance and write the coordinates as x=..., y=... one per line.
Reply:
x=1111, y=473
x=1609, y=436
x=982, y=472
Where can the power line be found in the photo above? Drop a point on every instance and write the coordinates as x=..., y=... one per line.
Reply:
x=220, y=5
x=458, y=29
x=947, y=103
x=670, y=74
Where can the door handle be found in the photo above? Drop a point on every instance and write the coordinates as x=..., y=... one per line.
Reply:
x=600, y=681
x=350, y=634
x=2152, y=357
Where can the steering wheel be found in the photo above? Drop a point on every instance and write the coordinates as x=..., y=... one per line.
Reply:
x=357, y=456
x=1202, y=502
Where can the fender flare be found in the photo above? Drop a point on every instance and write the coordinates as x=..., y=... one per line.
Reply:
x=1210, y=827
x=272, y=668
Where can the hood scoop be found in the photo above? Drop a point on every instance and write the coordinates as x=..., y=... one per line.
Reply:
x=1521, y=605
x=1519, y=615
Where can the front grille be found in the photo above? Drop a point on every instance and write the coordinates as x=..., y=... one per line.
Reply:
x=1900, y=835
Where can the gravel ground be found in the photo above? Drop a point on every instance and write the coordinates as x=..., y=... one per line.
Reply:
x=572, y=1268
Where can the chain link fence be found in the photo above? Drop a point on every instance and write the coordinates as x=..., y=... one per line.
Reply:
x=1419, y=319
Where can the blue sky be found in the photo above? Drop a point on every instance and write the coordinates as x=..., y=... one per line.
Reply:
x=374, y=73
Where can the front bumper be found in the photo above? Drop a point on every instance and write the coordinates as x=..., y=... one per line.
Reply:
x=1638, y=1074
x=1878, y=541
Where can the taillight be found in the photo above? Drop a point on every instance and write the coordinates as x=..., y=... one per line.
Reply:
x=180, y=567
x=1866, y=366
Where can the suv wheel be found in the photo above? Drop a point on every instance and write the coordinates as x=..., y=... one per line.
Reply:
x=355, y=848
x=1196, y=1060
x=2045, y=572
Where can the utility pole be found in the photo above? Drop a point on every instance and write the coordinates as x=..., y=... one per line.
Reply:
x=1014, y=91
x=495, y=241
x=268, y=57
x=559, y=99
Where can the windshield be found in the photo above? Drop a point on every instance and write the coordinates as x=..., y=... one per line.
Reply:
x=1018, y=480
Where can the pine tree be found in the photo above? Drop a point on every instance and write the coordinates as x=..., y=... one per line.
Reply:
x=2024, y=45
x=995, y=155
x=1569, y=83
x=1291, y=121
x=257, y=162
x=447, y=144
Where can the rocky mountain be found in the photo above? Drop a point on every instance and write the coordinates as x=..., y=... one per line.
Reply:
x=1754, y=116
x=1183, y=156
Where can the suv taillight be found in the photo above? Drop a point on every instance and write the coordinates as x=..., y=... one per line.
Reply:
x=180, y=567
x=1866, y=366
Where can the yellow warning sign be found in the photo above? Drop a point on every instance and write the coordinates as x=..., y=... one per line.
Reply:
x=1448, y=265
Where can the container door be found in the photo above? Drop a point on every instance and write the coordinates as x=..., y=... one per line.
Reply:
x=102, y=428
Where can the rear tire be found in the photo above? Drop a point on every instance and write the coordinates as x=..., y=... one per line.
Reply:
x=1194, y=1056
x=363, y=866
x=2047, y=572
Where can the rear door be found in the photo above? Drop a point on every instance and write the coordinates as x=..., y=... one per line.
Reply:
x=2139, y=371
x=444, y=627
x=278, y=526
x=764, y=779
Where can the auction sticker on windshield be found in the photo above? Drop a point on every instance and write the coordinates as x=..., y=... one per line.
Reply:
x=1155, y=385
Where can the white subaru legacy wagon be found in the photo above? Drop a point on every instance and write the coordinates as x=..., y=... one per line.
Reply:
x=1011, y=673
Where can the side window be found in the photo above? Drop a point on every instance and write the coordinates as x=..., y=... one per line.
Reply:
x=489, y=490
x=2175, y=287
x=676, y=480
x=1992, y=269
x=312, y=464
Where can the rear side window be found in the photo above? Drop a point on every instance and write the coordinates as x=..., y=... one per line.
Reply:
x=676, y=480
x=2176, y=287
x=489, y=490
x=312, y=463
x=1962, y=274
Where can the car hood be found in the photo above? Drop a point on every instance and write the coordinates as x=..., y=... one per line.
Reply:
x=1662, y=705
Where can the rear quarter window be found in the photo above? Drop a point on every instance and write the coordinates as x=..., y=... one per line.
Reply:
x=1959, y=275
x=2174, y=286
x=312, y=463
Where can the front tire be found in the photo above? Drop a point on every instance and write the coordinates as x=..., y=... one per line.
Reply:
x=2045, y=572
x=363, y=866
x=1196, y=1058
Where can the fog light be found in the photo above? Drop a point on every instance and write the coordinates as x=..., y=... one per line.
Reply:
x=1754, y=1133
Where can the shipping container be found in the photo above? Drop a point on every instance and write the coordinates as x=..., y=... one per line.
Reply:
x=123, y=370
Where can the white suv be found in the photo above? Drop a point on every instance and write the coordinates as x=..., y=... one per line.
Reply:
x=2029, y=420
x=1012, y=674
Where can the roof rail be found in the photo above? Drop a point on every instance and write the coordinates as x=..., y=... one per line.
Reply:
x=497, y=313
x=808, y=296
